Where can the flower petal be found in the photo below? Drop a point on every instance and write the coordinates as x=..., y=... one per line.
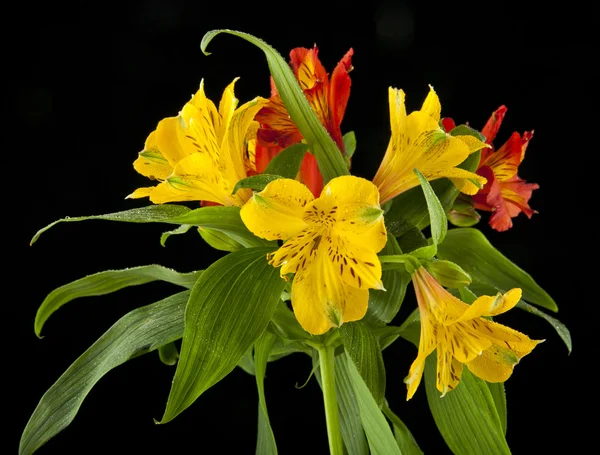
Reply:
x=449, y=370
x=321, y=300
x=298, y=253
x=151, y=163
x=358, y=265
x=508, y=338
x=463, y=341
x=431, y=105
x=493, y=124
x=277, y=211
x=486, y=305
x=496, y=364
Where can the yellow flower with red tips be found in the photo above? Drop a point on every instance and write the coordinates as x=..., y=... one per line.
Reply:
x=328, y=98
x=331, y=245
x=202, y=153
x=419, y=142
x=505, y=193
x=461, y=335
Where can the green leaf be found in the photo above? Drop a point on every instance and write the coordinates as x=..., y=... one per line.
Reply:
x=351, y=428
x=177, y=231
x=246, y=363
x=221, y=218
x=465, y=130
x=412, y=240
x=363, y=348
x=229, y=308
x=287, y=162
x=384, y=305
x=349, y=144
x=437, y=215
x=138, y=332
x=466, y=416
x=255, y=182
x=265, y=442
x=218, y=240
x=379, y=434
x=470, y=249
x=560, y=328
x=286, y=326
x=168, y=354
x=404, y=438
x=330, y=160
x=499, y=395
x=103, y=283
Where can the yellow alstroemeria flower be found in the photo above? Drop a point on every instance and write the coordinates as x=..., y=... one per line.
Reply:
x=331, y=245
x=202, y=153
x=419, y=142
x=462, y=336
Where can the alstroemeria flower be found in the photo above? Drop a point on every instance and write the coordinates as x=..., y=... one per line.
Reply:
x=505, y=193
x=327, y=97
x=419, y=142
x=331, y=245
x=462, y=336
x=202, y=153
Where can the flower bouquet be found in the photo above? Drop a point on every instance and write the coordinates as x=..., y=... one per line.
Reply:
x=317, y=262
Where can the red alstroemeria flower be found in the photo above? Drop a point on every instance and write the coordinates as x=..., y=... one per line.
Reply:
x=505, y=194
x=327, y=96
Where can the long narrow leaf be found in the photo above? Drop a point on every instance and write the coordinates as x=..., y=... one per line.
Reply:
x=287, y=162
x=229, y=308
x=404, y=438
x=466, y=416
x=379, y=434
x=330, y=160
x=221, y=218
x=362, y=347
x=353, y=434
x=106, y=282
x=437, y=216
x=138, y=332
x=265, y=442
x=470, y=249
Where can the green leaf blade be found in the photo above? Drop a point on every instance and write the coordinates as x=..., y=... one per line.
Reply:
x=265, y=442
x=437, y=215
x=379, y=434
x=363, y=348
x=287, y=162
x=229, y=308
x=470, y=249
x=466, y=417
x=138, y=332
x=329, y=159
x=106, y=282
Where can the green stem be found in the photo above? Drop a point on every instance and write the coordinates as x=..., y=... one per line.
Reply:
x=326, y=361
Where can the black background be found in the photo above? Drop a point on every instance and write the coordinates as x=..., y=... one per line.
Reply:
x=91, y=80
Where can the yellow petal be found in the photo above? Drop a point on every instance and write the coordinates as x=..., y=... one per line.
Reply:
x=356, y=201
x=277, y=211
x=464, y=343
x=427, y=343
x=449, y=370
x=443, y=307
x=195, y=178
x=503, y=336
x=151, y=163
x=208, y=122
x=234, y=150
x=496, y=364
x=358, y=264
x=397, y=110
x=432, y=106
x=141, y=192
x=486, y=305
x=168, y=137
x=472, y=143
x=228, y=104
x=297, y=253
x=321, y=300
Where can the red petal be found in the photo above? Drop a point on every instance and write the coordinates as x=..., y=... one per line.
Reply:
x=307, y=67
x=339, y=92
x=448, y=124
x=493, y=124
x=310, y=175
x=263, y=156
x=505, y=161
